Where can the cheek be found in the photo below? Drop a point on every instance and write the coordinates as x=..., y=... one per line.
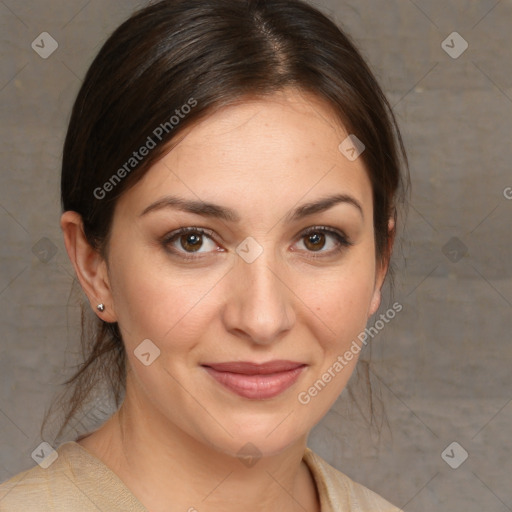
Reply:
x=165, y=302
x=341, y=303
x=340, y=300
x=158, y=303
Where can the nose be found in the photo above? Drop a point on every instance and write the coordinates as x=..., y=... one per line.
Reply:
x=260, y=303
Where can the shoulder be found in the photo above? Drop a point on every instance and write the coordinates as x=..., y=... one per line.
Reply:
x=68, y=479
x=339, y=492
x=31, y=489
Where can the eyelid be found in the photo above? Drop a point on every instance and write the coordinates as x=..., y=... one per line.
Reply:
x=325, y=229
x=188, y=229
x=342, y=239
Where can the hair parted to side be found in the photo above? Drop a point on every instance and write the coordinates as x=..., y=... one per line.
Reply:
x=216, y=52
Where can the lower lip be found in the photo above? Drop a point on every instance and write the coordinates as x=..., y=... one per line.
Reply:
x=257, y=387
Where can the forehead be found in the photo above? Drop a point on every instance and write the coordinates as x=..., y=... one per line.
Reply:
x=266, y=151
x=290, y=124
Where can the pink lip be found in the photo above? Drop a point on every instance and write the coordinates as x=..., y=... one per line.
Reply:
x=256, y=381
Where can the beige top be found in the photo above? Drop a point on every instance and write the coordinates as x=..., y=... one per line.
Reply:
x=77, y=481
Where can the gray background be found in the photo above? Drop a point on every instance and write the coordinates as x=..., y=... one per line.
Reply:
x=441, y=367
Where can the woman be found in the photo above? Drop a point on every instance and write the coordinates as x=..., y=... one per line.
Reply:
x=230, y=181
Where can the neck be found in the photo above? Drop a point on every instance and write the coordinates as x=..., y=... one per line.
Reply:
x=161, y=465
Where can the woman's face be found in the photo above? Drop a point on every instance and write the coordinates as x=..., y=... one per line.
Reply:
x=248, y=285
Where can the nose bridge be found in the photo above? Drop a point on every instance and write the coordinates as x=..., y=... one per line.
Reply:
x=261, y=302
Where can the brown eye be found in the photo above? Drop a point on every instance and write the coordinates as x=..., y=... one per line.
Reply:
x=315, y=241
x=318, y=237
x=186, y=241
x=191, y=242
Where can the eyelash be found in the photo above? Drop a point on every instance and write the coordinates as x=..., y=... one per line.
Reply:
x=342, y=240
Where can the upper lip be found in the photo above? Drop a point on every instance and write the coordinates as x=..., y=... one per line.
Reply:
x=250, y=368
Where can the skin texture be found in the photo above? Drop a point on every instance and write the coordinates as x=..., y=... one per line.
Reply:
x=262, y=158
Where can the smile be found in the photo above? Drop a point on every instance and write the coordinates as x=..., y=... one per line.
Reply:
x=255, y=381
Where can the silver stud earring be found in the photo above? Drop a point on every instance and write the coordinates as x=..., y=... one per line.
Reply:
x=100, y=307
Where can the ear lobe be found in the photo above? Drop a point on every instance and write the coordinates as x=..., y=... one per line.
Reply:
x=89, y=265
x=375, y=302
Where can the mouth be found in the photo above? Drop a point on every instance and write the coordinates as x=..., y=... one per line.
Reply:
x=256, y=381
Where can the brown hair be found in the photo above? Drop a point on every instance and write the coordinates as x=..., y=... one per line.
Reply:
x=209, y=53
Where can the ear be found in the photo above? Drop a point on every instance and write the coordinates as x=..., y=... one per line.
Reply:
x=89, y=265
x=382, y=269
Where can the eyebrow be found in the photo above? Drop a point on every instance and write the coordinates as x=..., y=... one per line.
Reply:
x=221, y=212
